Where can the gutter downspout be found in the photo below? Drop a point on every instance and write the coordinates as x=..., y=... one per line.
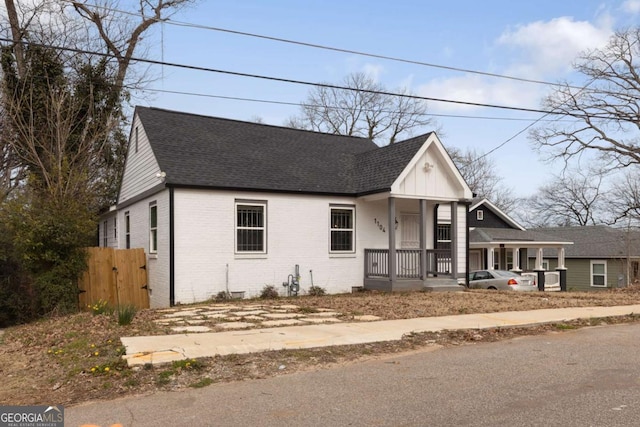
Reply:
x=172, y=289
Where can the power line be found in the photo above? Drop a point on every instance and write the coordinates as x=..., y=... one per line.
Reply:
x=298, y=104
x=331, y=48
x=286, y=80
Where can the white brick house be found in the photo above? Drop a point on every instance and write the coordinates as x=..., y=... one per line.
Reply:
x=222, y=205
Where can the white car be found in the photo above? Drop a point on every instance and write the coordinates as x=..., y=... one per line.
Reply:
x=500, y=280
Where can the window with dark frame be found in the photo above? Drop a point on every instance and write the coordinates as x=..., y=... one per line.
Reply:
x=251, y=229
x=443, y=236
x=153, y=229
x=342, y=229
x=105, y=237
x=127, y=230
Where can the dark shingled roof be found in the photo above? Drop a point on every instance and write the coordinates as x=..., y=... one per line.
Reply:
x=488, y=235
x=598, y=241
x=376, y=170
x=201, y=151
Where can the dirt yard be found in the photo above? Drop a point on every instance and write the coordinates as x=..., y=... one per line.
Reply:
x=71, y=359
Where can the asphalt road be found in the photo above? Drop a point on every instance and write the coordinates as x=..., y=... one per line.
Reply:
x=587, y=377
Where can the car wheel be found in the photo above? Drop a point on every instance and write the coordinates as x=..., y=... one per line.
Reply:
x=493, y=288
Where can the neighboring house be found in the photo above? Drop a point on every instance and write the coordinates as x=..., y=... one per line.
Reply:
x=498, y=242
x=223, y=205
x=601, y=257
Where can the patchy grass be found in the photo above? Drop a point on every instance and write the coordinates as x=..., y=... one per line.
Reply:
x=71, y=359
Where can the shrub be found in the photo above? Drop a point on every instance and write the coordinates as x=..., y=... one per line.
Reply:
x=126, y=314
x=49, y=235
x=316, y=291
x=223, y=296
x=269, y=292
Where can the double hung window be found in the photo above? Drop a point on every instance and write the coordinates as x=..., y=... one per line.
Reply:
x=342, y=229
x=251, y=227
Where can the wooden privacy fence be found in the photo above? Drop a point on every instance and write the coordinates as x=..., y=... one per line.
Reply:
x=117, y=276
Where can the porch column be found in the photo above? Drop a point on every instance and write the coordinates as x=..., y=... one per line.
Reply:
x=491, y=258
x=561, y=257
x=516, y=260
x=423, y=239
x=392, y=240
x=539, y=270
x=454, y=240
x=562, y=270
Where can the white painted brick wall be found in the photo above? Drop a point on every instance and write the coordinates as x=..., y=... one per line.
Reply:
x=297, y=233
x=157, y=264
x=110, y=218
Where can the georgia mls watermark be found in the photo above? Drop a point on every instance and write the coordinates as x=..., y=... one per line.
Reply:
x=32, y=416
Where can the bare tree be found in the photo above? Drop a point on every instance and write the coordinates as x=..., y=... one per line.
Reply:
x=63, y=117
x=122, y=36
x=479, y=173
x=623, y=199
x=572, y=198
x=111, y=32
x=11, y=170
x=361, y=110
x=607, y=109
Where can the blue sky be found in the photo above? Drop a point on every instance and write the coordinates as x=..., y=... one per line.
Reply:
x=530, y=39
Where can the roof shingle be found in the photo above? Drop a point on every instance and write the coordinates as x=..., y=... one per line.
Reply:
x=201, y=151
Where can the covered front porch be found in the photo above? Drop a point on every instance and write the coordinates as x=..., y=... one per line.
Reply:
x=507, y=249
x=423, y=250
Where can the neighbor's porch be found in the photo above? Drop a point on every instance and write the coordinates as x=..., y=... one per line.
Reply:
x=428, y=261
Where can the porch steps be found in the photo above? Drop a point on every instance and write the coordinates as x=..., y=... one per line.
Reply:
x=442, y=284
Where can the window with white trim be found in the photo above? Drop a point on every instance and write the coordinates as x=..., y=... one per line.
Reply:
x=153, y=228
x=127, y=230
x=480, y=215
x=342, y=229
x=599, y=274
x=251, y=227
x=509, y=261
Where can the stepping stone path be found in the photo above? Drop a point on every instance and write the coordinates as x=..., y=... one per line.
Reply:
x=212, y=317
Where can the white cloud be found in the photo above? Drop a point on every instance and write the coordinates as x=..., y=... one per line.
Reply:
x=374, y=71
x=541, y=50
x=546, y=48
x=631, y=6
x=478, y=89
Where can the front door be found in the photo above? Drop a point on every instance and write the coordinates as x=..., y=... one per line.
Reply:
x=410, y=231
x=475, y=260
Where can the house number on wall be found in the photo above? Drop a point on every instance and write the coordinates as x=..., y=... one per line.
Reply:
x=379, y=224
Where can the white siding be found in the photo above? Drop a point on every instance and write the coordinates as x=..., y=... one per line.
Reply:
x=462, y=240
x=432, y=175
x=141, y=166
x=157, y=264
x=297, y=233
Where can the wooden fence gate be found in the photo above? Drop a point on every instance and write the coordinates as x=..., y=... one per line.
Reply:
x=117, y=276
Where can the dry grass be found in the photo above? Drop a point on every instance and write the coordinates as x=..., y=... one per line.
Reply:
x=71, y=359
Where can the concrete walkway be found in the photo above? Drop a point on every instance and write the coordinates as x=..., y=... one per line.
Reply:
x=167, y=348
